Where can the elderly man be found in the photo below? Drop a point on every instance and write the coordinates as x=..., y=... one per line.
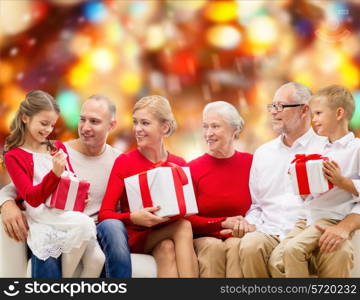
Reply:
x=275, y=208
x=89, y=155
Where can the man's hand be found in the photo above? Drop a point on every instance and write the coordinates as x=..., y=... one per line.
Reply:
x=243, y=227
x=14, y=221
x=332, y=237
x=240, y=228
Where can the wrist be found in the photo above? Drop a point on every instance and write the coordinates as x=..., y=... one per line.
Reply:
x=56, y=173
x=347, y=226
x=133, y=218
x=7, y=203
x=342, y=182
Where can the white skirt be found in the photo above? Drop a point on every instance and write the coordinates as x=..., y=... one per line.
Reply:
x=53, y=231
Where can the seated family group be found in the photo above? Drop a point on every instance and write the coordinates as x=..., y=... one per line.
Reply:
x=253, y=218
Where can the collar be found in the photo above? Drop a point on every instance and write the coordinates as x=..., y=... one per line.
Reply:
x=302, y=141
x=346, y=139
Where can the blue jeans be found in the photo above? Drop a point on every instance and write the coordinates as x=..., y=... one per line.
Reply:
x=50, y=268
x=112, y=237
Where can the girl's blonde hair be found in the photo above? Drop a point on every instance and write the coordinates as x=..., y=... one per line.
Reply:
x=35, y=101
x=160, y=108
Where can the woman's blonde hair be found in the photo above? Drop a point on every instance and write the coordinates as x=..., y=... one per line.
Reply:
x=35, y=101
x=160, y=107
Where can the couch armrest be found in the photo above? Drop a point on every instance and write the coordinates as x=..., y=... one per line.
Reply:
x=13, y=258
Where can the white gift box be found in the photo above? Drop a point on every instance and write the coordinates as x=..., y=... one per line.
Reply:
x=307, y=176
x=164, y=190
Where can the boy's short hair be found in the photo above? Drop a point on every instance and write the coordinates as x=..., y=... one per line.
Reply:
x=337, y=96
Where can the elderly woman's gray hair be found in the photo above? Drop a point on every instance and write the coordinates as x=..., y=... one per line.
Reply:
x=228, y=112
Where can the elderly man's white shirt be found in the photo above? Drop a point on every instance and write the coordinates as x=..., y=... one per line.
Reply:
x=275, y=208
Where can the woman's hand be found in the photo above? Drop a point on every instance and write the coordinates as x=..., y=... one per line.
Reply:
x=229, y=222
x=240, y=228
x=243, y=227
x=59, y=162
x=145, y=217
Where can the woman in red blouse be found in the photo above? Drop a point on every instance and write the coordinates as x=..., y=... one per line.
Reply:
x=171, y=244
x=220, y=178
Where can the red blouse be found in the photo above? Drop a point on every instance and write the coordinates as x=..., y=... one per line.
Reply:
x=221, y=189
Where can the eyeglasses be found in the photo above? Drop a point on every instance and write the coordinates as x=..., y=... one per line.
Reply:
x=280, y=107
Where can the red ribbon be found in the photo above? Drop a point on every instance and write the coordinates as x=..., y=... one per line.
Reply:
x=305, y=158
x=179, y=178
x=301, y=173
x=60, y=195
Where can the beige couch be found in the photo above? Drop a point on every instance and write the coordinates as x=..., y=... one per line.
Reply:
x=14, y=262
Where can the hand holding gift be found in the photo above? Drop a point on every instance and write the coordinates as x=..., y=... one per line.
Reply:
x=71, y=192
x=146, y=217
x=59, y=162
x=307, y=175
x=332, y=172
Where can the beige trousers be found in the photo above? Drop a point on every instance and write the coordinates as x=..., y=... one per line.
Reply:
x=218, y=258
x=298, y=254
x=255, y=249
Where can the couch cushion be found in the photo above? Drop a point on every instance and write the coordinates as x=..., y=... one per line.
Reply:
x=143, y=266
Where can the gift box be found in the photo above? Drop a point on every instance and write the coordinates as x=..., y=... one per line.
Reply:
x=168, y=186
x=307, y=176
x=70, y=193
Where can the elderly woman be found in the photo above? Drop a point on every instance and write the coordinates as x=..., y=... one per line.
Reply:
x=171, y=244
x=220, y=178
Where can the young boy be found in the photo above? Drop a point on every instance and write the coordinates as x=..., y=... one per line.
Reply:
x=332, y=109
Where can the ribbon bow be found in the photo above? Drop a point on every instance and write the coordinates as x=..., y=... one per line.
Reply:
x=178, y=169
x=305, y=158
x=301, y=172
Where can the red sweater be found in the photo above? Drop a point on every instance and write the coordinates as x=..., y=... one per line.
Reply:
x=20, y=166
x=222, y=190
x=127, y=164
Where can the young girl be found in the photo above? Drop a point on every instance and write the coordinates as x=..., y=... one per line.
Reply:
x=36, y=174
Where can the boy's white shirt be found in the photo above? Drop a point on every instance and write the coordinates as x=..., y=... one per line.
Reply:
x=337, y=203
